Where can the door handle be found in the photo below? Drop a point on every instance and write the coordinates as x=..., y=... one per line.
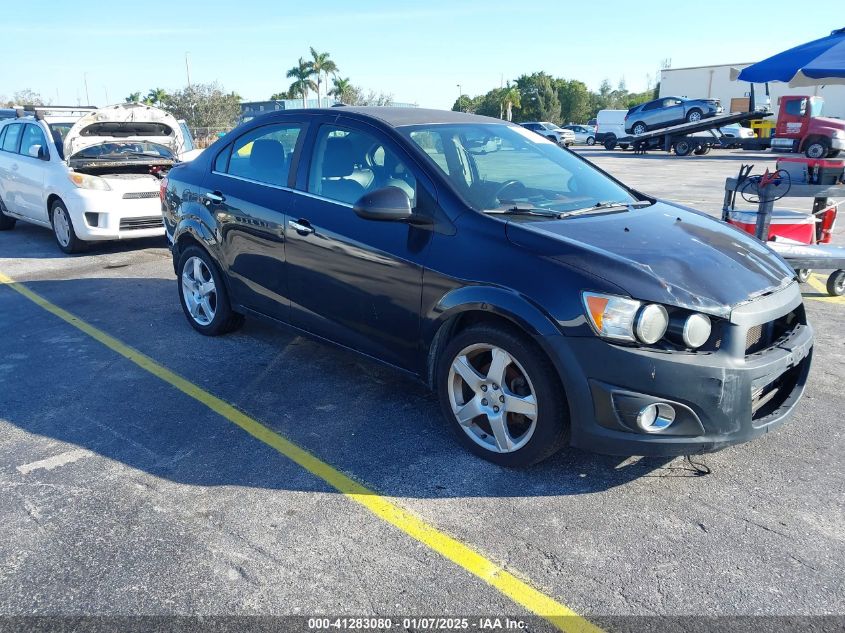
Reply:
x=301, y=226
x=215, y=197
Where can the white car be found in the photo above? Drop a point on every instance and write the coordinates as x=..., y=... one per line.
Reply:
x=90, y=178
x=585, y=134
x=551, y=131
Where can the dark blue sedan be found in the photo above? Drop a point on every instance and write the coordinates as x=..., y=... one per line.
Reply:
x=546, y=303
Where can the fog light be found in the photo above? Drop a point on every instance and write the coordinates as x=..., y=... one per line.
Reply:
x=654, y=418
x=697, y=330
x=92, y=219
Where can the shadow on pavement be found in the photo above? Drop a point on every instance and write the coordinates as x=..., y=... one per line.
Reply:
x=367, y=420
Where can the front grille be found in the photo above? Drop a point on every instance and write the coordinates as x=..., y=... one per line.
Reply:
x=761, y=337
x=140, y=195
x=135, y=224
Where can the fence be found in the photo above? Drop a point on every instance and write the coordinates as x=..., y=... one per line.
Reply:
x=205, y=136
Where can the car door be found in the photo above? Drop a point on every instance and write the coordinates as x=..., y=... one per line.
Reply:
x=10, y=168
x=248, y=191
x=355, y=281
x=672, y=111
x=33, y=162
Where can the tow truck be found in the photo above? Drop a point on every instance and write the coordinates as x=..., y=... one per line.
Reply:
x=799, y=128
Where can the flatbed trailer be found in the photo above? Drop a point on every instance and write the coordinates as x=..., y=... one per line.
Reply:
x=680, y=137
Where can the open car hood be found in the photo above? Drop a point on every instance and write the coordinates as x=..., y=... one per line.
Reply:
x=125, y=122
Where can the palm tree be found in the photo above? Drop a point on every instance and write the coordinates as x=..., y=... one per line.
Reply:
x=301, y=74
x=510, y=100
x=157, y=96
x=134, y=97
x=342, y=89
x=320, y=65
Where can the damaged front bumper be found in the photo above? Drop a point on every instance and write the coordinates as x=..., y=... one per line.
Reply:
x=724, y=397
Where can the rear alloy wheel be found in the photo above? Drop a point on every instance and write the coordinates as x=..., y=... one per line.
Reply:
x=63, y=229
x=836, y=283
x=803, y=274
x=591, y=140
x=817, y=149
x=203, y=296
x=694, y=116
x=639, y=128
x=6, y=223
x=502, y=396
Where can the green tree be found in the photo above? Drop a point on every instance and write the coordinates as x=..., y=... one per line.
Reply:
x=204, y=105
x=302, y=82
x=510, y=99
x=574, y=99
x=490, y=104
x=157, y=96
x=538, y=97
x=342, y=88
x=279, y=96
x=321, y=64
x=464, y=104
x=134, y=97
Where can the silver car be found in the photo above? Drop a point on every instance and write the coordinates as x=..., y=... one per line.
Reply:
x=667, y=111
x=583, y=133
x=551, y=131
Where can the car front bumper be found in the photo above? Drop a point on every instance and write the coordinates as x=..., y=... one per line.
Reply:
x=106, y=215
x=716, y=395
x=837, y=143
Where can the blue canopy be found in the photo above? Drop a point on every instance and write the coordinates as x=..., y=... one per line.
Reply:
x=821, y=61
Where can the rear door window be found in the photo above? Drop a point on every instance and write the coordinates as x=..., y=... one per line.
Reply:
x=264, y=154
x=13, y=135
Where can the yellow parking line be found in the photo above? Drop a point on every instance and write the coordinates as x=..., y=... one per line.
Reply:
x=818, y=285
x=561, y=616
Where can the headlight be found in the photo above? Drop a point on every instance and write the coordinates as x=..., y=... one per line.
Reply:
x=696, y=330
x=651, y=323
x=611, y=316
x=84, y=181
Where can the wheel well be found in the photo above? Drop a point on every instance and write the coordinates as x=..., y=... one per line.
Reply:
x=812, y=138
x=185, y=240
x=50, y=200
x=461, y=322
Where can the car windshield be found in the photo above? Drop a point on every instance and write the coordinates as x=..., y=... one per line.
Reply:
x=126, y=150
x=497, y=166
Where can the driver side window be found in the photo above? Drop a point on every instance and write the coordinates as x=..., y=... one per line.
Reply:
x=349, y=163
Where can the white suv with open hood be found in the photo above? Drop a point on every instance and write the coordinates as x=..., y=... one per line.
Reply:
x=89, y=175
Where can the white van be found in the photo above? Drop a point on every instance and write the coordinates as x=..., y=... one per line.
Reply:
x=610, y=125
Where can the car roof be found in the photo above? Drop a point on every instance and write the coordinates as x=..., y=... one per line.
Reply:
x=397, y=116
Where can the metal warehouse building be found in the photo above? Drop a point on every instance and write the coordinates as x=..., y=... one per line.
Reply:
x=715, y=82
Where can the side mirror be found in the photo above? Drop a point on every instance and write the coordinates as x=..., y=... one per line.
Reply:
x=388, y=204
x=37, y=151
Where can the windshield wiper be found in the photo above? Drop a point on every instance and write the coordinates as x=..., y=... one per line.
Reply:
x=518, y=210
x=605, y=206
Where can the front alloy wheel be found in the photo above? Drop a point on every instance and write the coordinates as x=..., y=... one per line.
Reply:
x=502, y=396
x=492, y=398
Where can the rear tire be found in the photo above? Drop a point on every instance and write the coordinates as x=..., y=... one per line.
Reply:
x=203, y=295
x=527, y=380
x=701, y=151
x=803, y=274
x=639, y=128
x=694, y=115
x=63, y=229
x=836, y=284
x=683, y=147
x=6, y=223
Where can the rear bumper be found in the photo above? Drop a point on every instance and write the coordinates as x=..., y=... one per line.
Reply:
x=715, y=395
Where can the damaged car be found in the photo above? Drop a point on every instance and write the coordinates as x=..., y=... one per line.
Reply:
x=88, y=175
x=546, y=303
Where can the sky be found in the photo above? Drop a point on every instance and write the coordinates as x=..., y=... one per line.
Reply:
x=418, y=51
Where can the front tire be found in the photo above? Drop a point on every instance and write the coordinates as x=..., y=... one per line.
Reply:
x=203, y=295
x=836, y=284
x=591, y=140
x=817, y=149
x=610, y=142
x=63, y=229
x=502, y=396
x=803, y=274
x=6, y=223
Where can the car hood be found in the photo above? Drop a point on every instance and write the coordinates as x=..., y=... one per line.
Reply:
x=125, y=122
x=663, y=253
x=837, y=124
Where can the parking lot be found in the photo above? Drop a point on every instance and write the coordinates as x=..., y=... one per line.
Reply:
x=148, y=470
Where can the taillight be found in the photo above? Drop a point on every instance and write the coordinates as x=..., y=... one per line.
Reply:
x=162, y=188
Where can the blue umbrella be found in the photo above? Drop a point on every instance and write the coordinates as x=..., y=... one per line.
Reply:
x=821, y=61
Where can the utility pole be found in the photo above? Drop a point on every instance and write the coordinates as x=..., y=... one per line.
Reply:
x=188, y=68
x=460, y=94
x=85, y=79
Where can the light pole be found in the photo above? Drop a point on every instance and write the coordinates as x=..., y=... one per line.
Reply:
x=85, y=79
x=460, y=94
x=188, y=68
